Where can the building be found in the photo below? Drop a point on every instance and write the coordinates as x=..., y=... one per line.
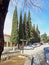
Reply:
x=7, y=41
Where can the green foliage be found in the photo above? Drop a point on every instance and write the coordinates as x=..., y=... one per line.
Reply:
x=33, y=34
x=29, y=32
x=37, y=34
x=44, y=37
x=47, y=38
x=20, y=27
x=14, y=33
x=25, y=30
x=24, y=27
x=29, y=27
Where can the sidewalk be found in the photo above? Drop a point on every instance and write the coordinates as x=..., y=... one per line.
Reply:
x=28, y=62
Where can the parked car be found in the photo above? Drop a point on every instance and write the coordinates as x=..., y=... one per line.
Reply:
x=36, y=44
x=28, y=47
x=33, y=46
x=46, y=53
x=41, y=43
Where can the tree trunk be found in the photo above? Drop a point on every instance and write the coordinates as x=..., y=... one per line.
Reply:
x=3, y=11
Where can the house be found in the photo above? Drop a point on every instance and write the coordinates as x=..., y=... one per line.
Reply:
x=7, y=42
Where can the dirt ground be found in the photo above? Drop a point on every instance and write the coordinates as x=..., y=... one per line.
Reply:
x=17, y=60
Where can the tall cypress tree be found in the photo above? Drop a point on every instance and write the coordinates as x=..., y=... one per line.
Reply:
x=24, y=26
x=29, y=26
x=37, y=34
x=14, y=33
x=33, y=34
x=20, y=27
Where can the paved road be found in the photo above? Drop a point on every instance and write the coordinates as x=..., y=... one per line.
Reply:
x=36, y=50
x=34, y=53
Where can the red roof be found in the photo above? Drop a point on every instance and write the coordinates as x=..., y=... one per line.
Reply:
x=7, y=35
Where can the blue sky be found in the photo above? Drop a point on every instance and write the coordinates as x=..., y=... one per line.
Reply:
x=40, y=17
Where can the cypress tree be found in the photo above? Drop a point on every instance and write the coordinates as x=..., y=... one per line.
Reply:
x=14, y=33
x=20, y=27
x=37, y=34
x=33, y=34
x=29, y=26
x=24, y=26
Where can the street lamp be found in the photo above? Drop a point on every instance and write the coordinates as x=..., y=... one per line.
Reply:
x=22, y=40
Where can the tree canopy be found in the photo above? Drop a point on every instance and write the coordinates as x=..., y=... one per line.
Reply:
x=14, y=32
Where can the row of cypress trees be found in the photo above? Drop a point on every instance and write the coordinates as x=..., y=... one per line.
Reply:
x=24, y=30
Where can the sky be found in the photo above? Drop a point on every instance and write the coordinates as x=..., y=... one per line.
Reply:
x=39, y=16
